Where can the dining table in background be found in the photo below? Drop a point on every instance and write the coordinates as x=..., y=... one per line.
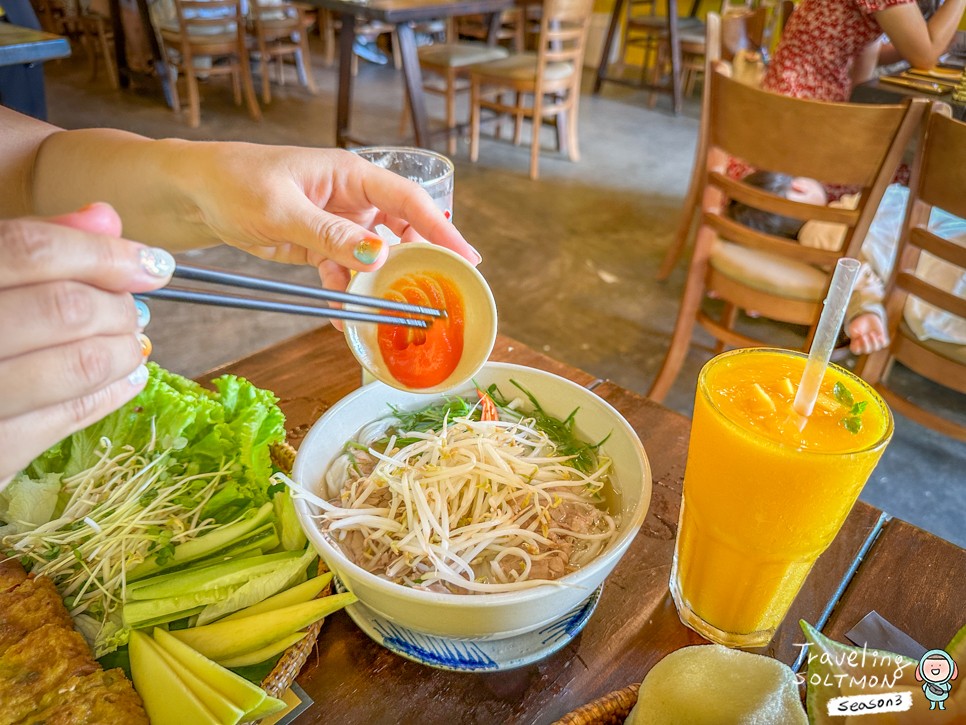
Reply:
x=879, y=91
x=400, y=14
x=23, y=46
x=910, y=577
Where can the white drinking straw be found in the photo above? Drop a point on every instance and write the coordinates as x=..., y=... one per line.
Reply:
x=827, y=332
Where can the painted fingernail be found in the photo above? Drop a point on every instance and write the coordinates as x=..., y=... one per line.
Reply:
x=139, y=376
x=368, y=250
x=145, y=342
x=144, y=314
x=157, y=262
x=479, y=257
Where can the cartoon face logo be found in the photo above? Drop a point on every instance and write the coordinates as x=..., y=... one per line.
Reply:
x=936, y=670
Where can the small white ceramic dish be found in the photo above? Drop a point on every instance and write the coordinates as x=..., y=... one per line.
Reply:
x=468, y=655
x=480, y=320
x=478, y=616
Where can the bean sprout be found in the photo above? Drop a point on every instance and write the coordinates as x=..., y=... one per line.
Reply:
x=472, y=507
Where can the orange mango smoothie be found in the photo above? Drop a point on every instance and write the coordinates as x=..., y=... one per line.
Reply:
x=762, y=496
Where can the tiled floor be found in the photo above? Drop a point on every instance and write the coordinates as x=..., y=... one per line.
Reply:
x=571, y=258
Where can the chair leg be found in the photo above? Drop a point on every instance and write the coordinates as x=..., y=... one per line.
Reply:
x=327, y=33
x=405, y=115
x=263, y=71
x=728, y=317
x=518, y=119
x=304, y=63
x=660, y=61
x=451, y=111
x=573, y=147
x=396, y=53
x=535, y=141
x=474, y=120
x=687, y=314
x=194, y=101
x=680, y=241
x=498, y=125
x=108, y=53
x=236, y=86
x=248, y=87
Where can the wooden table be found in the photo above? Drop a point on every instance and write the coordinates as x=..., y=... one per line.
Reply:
x=399, y=13
x=910, y=577
x=20, y=46
x=876, y=91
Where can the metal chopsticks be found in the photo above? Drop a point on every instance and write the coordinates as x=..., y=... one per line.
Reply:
x=215, y=276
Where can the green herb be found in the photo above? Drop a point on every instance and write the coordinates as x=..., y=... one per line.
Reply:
x=561, y=432
x=852, y=421
x=843, y=395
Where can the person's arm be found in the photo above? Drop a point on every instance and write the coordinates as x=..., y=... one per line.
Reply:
x=916, y=40
x=20, y=138
x=865, y=63
x=296, y=205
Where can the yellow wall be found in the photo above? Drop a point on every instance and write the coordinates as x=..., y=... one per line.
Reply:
x=605, y=6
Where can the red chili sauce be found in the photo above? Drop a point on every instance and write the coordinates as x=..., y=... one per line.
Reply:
x=424, y=358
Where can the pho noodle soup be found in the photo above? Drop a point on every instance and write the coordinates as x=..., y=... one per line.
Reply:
x=471, y=496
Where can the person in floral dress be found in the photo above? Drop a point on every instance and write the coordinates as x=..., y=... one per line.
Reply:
x=828, y=45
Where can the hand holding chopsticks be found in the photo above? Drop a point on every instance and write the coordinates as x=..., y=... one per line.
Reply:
x=214, y=276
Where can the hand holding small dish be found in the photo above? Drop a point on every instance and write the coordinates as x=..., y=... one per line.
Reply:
x=453, y=349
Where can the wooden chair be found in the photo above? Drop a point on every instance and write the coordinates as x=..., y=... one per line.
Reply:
x=550, y=77
x=280, y=30
x=511, y=31
x=98, y=38
x=775, y=277
x=725, y=37
x=444, y=67
x=215, y=29
x=938, y=180
x=746, y=27
x=646, y=25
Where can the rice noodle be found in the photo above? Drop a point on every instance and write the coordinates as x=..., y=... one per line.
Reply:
x=477, y=506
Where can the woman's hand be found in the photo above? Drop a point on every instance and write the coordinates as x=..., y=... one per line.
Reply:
x=310, y=206
x=295, y=205
x=71, y=349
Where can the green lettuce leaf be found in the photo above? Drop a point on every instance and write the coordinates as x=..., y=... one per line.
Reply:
x=205, y=430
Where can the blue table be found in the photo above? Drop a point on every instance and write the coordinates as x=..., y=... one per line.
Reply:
x=20, y=46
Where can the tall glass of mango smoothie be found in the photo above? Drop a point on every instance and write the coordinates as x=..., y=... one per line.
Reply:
x=764, y=495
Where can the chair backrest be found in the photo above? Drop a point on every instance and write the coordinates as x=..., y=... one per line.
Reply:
x=197, y=18
x=563, y=35
x=274, y=11
x=850, y=144
x=938, y=181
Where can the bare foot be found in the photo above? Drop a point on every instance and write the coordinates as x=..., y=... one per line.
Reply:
x=867, y=334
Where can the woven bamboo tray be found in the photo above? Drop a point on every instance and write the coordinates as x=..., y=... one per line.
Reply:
x=290, y=663
x=610, y=709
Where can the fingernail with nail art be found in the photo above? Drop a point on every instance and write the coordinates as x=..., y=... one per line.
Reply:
x=144, y=313
x=157, y=262
x=368, y=250
x=145, y=342
x=139, y=376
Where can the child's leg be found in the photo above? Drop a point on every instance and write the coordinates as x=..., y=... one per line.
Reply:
x=867, y=333
x=866, y=317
